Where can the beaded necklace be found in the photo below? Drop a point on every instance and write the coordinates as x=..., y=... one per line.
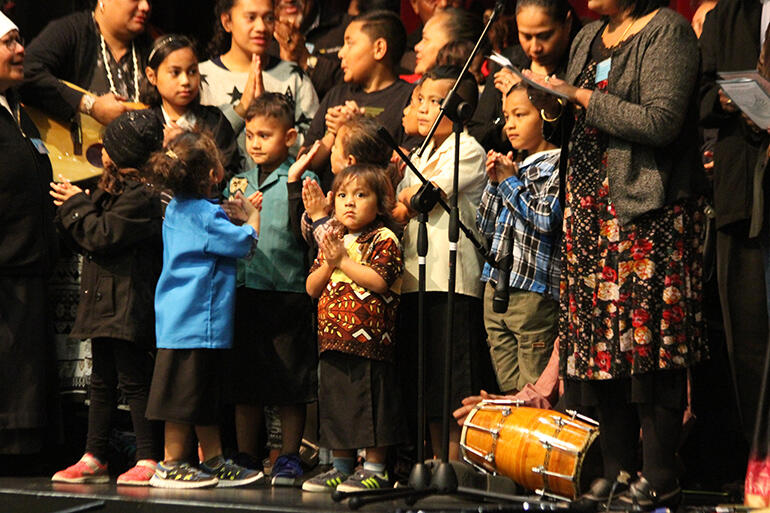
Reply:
x=106, y=60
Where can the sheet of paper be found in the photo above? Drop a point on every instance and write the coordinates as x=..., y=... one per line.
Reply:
x=505, y=62
x=749, y=96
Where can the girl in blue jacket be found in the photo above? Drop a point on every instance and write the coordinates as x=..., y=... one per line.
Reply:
x=194, y=303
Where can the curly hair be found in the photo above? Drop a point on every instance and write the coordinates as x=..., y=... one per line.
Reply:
x=184, y=166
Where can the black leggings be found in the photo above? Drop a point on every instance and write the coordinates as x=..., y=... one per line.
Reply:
x=125, y=364
x=661, y=429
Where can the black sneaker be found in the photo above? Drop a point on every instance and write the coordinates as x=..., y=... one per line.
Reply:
x=643, y=497
x=229, y=474
x=181, y=476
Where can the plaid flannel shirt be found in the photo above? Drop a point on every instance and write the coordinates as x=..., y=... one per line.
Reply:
x=525, y=209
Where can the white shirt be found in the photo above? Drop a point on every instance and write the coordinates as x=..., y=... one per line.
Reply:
x=438, y=167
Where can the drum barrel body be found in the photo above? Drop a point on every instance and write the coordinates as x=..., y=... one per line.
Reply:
x=538, y=449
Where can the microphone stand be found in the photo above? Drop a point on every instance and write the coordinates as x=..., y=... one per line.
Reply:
x=444, y=479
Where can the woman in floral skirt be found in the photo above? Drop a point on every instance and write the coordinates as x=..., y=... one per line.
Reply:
x=631, y=320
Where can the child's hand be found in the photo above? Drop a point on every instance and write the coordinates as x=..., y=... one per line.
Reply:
x=499, y=166
x=170, y=131
x=316, y=204
x=256, y=200
x=62, y=191
x=241, y=210
x=334, y=119
x=333, y=249
x=351, y=109
x=253, y=87
x=303, y=162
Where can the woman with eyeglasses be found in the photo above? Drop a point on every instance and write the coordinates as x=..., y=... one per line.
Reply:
x=103, y=51
x=27, y=254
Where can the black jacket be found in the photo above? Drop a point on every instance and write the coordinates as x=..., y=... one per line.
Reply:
x=216, y=124
x=66, y=49
x=730, y=42
x=27, y=235
x=120, y=238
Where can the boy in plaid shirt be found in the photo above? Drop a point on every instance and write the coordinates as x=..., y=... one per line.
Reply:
x=520, y=216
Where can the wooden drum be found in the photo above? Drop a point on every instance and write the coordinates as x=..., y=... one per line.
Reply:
x=542, y=450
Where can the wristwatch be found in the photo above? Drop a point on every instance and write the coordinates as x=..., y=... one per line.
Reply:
x=87, y=103
x=312, y=61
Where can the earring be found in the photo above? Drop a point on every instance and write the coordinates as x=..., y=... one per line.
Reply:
x=101, y=5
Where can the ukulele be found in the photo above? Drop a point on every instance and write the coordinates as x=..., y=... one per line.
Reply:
x=75, y=146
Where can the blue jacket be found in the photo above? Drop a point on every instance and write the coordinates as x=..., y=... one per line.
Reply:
x=279, y=261
x=195, y=296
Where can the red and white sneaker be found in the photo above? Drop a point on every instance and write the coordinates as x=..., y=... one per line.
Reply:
x=88, y=470
x=139, y=475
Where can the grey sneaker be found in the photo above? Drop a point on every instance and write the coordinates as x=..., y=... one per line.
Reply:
x=229, y=474
x=325, y=482
x=364, y=479
x=181, y=476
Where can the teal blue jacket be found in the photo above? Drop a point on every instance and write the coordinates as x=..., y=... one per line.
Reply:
x=279, y=261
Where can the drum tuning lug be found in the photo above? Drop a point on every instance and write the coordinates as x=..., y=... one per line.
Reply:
x=506, y=412
x=575, y=415
x=542, y=470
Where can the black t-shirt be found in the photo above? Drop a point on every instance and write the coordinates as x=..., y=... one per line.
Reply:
x=386, y=106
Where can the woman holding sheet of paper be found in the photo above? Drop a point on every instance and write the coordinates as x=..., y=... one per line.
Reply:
x=631, y=318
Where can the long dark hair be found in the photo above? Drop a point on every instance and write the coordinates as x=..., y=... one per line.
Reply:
x=221, y=40
x=162, y=48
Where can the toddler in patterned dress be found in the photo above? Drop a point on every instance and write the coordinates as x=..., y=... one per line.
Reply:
x=357, y=278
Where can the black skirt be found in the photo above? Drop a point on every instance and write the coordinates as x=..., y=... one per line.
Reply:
x=274, y=358
x=187, y=386
x=471, y=365
x=27, y=371
x=359, y=403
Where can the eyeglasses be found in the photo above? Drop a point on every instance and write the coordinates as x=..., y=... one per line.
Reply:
x=12, y=41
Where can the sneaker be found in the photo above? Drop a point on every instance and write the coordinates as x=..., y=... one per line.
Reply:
x=287, y=470
x=88, y=470
x=325, y=482
x=229, y=474
x=139, y=475
x=180, y=476
x=364, y=479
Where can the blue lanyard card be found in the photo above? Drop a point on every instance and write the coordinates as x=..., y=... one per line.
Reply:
x=603, y=70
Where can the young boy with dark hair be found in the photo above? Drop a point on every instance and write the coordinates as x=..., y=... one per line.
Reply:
x=373, y=45
x=469, y=360
x=274, y=345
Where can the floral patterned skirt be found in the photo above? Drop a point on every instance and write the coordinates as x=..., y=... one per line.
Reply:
x=630, y=295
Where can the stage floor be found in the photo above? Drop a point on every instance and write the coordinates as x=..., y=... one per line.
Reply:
x=40, y=495
x=37, y=495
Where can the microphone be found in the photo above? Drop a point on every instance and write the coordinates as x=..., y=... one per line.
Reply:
x=501, y=295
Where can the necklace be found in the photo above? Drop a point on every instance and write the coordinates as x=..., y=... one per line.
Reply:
x=622, y=36
x=105, y=58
